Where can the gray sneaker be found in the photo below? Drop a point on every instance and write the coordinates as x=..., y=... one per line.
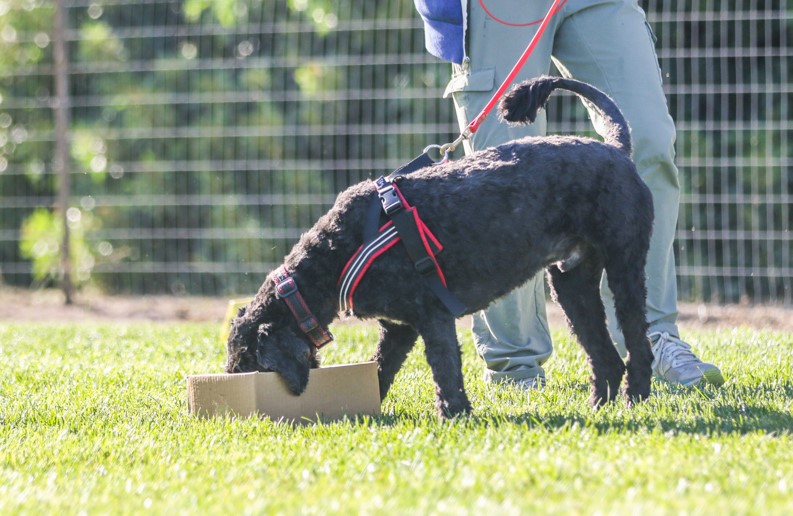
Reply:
x=676, y=363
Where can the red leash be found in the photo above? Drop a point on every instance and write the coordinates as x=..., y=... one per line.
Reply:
x=476, y=122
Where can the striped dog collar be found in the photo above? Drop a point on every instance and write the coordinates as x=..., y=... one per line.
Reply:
x=287, y=291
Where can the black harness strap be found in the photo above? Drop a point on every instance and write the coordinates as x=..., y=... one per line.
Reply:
x=406, y=224
x=373, y=216
x=420, y=161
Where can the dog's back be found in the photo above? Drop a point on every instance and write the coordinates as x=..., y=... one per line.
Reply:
x=526, y=204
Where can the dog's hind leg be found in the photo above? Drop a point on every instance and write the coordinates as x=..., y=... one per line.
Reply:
x=577, y=292
x=445, y=360
x=396, y=341
x=627, y=283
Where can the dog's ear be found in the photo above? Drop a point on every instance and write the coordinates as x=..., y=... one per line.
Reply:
x=288, y=355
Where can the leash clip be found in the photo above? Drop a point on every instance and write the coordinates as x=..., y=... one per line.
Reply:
x=442, y=154
x=447, y=148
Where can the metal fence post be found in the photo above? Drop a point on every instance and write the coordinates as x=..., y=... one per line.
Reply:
x=61, y=157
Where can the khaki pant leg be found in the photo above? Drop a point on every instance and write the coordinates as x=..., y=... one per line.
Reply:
x=610, y=45
x=512, y=334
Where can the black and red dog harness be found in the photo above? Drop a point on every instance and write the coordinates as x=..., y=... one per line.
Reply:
x=404, y=225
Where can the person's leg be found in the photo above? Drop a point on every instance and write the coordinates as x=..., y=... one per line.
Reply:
x=610, y=45
x=512, y=334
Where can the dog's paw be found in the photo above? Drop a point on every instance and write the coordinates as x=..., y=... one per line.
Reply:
x=602, y=393
x=636, y=394
x=450, y=410
x=596, y=401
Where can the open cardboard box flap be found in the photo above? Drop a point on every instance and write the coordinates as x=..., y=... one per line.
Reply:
x=332, y=392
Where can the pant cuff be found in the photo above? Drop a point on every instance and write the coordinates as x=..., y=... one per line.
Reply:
x=512, y=376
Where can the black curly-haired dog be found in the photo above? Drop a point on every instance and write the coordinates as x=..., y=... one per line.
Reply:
x=573, y=205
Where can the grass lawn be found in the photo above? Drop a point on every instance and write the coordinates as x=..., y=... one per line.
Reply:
x=93, y=419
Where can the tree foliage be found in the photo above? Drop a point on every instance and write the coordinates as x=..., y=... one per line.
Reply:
x=207, y=134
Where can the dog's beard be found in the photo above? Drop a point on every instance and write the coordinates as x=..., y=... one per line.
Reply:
x=283, y=352
x=242, y=359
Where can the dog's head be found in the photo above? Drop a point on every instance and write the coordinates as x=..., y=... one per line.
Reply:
x=268, y=347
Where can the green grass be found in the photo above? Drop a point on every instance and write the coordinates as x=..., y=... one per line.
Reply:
x=93, y=418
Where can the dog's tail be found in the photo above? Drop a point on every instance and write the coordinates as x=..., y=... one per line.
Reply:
x=520, y=106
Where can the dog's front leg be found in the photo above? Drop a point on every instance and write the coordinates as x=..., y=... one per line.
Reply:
x=396, y=341
x=445, y=360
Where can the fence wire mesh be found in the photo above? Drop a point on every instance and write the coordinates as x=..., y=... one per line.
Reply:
x=205, y=137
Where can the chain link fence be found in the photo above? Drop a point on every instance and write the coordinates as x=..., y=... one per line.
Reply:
x=203, y=137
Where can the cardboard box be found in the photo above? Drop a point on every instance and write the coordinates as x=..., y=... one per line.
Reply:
x=332, y=393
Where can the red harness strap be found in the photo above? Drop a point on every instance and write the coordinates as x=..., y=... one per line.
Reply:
x=286, y=290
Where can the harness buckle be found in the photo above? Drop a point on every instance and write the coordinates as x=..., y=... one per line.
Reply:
x=388, y=196
x=425, y=266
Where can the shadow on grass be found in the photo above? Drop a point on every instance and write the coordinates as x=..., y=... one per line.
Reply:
x=749, y=420
x=708, y=411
